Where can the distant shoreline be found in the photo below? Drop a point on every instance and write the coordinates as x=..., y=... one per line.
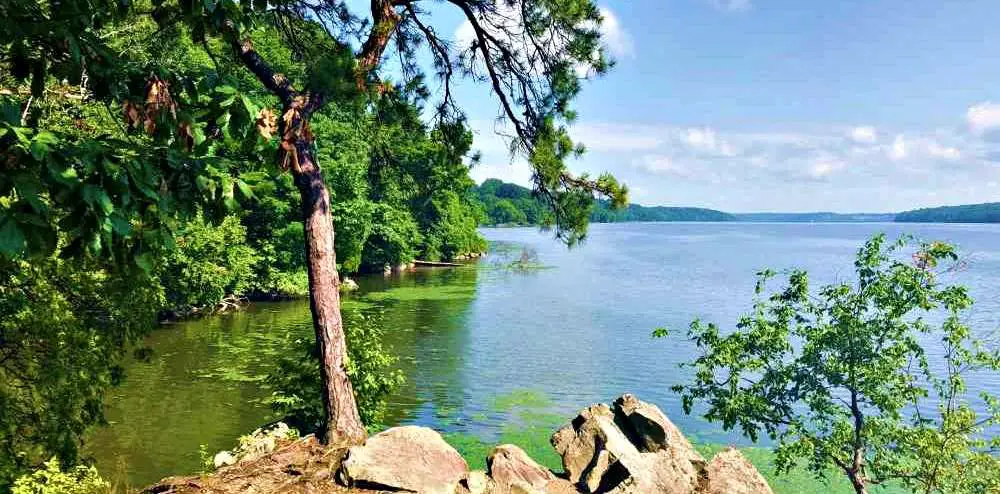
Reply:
x=511, y=203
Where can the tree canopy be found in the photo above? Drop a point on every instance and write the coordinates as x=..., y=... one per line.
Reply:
x=859, y=377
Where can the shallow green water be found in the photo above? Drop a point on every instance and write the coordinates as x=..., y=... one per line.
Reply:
x=488, y=351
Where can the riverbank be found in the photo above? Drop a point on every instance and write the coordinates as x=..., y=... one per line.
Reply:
x=629, y=447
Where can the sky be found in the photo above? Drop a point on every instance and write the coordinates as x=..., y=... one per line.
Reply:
x=783, y=105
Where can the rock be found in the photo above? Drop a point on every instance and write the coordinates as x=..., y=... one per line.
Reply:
x=263, y=441
x=477, y=482
x=730, y=472
x=223, y=459
x=632, y=448
x=348, y=285
x=409, y=458
x=512, y=470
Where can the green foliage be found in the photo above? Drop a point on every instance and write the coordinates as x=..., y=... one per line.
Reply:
x=64, y=327
x=506, y=203
x=296, y=383
x=970, y=213
x=51, y=479
x=841, y=378
x=208, y=262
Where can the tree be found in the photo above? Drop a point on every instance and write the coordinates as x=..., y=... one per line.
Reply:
x=530, y=52
x=842, y=379
x=531, y=66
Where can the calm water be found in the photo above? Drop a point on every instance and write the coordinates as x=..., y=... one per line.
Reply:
x=576, y=332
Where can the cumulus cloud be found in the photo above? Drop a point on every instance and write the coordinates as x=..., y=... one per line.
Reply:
x=823, y=167
x=861, y=168
x=864, y=135
x=898, y=149
x=983, y=117
x=943, y=152
x=618, y=41
x=731, y=5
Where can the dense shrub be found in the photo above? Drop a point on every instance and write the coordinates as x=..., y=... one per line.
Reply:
x=208, y=262
x=296, y=385
x=51, y=479
x=64, y=327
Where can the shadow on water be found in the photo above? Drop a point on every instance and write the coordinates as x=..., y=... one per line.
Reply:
x=204, y=384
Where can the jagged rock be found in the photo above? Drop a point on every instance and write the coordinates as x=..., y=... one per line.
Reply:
x=513, y=471
x=348, y=285
x=590, y=445
x=730, y=472
x=633, y=448
x=223, y=459
x=410, y=458
x=477, y=482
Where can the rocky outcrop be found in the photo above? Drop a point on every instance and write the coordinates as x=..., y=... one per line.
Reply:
x=730, y=472
x=512, y=471
x=630, y=447
x=407, y=459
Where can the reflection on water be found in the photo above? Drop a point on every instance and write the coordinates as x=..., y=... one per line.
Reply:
x=576, y=332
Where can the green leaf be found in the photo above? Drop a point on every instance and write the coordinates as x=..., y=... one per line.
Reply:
x=41, y=143
x=95, y=196
x=30, y=189
x=11, y=237
x=244, y=189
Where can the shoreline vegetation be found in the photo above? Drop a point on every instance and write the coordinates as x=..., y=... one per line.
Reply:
x=508, y=204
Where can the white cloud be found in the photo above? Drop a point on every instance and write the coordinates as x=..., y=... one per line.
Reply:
x=983, y=116
x=618, y=41
x=732, y=5
x=944, y=152
x=864, y=135
x=661, y=165
x=898, y=149
x=705, y=140
x=824, y=166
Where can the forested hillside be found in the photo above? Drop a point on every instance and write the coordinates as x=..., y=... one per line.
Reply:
x=511, y=204
x=969, y=213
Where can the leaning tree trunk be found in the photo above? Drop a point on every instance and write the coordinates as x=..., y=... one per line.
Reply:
x=343, y=424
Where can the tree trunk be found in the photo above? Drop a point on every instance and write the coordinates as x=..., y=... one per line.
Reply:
x=343, y=424
x=858, y=483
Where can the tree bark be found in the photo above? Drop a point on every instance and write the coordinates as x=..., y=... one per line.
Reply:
x=343, y=424
x=858, y=483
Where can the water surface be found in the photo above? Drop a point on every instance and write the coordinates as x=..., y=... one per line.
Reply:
x=575, y=332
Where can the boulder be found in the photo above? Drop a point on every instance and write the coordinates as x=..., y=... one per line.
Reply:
x=223, y=459
x=512, y=470
x=408, y=459
x=348, y=285
x=730, y=472
x=632, y=448
x=477, y=482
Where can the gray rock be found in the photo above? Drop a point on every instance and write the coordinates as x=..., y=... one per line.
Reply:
x=414, y=459
x=223, y=459
x=512, y=470
x=730, y=472
x=631, y=449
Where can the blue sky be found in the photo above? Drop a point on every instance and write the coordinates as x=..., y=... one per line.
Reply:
x=790, y=105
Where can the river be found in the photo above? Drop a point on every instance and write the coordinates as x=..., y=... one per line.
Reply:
x=574, y=331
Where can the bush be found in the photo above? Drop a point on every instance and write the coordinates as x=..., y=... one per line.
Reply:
x=64, y=328
x=296, y=383
x=208, y=263
x=53, y=480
